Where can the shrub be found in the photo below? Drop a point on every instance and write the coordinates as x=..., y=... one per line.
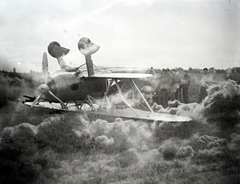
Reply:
x=169, y=151
x=58, y=135
x=127, y=158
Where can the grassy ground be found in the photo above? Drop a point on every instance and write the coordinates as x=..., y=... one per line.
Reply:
x=68, y=149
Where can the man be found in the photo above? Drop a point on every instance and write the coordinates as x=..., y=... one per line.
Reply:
x=163, y=89
x=175, y=82
x=185, y=82
x=204, y=85
x=148, y=93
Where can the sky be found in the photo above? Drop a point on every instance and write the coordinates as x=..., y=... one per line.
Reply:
x=130, y=33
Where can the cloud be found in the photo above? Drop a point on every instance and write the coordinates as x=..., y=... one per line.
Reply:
x=137, y=2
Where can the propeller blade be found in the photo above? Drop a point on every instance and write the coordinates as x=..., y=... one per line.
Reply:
x=45, y=68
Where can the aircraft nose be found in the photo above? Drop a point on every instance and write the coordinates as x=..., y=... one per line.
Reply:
x=43, y=88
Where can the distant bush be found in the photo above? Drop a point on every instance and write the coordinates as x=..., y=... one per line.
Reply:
x=12, y=88
x=8, y=90
x=3, y=95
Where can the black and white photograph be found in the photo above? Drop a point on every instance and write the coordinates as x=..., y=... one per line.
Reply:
x=120, y=92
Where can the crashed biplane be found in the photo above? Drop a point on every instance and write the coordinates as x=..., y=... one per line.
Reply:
x=88, y=89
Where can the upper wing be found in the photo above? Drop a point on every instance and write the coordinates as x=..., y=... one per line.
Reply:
x=121, y=75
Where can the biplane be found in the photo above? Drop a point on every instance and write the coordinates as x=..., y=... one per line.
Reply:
x=91, y=90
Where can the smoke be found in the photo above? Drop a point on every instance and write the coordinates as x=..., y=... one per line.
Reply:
x=64, y=135
x=209, y=79
x=168, y=81
x=120, y=135
x=222, y=105
x=192, y=110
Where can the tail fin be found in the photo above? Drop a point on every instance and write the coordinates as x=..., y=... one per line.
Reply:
x=87, y=48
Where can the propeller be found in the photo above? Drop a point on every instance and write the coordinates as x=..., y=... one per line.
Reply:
x=43, y=89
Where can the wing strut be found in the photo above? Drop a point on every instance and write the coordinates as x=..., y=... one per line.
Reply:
x=141, y=95
x=106, y=93
x=120, y=92
x=105, y=98
x=124, y=100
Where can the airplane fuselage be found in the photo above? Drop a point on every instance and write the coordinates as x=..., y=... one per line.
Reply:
x=68, y=87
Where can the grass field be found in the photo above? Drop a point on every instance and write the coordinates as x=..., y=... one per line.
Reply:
x=38, y=147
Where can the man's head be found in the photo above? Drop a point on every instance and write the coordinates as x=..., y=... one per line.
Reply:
x=148, y=93
x=205, y=70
